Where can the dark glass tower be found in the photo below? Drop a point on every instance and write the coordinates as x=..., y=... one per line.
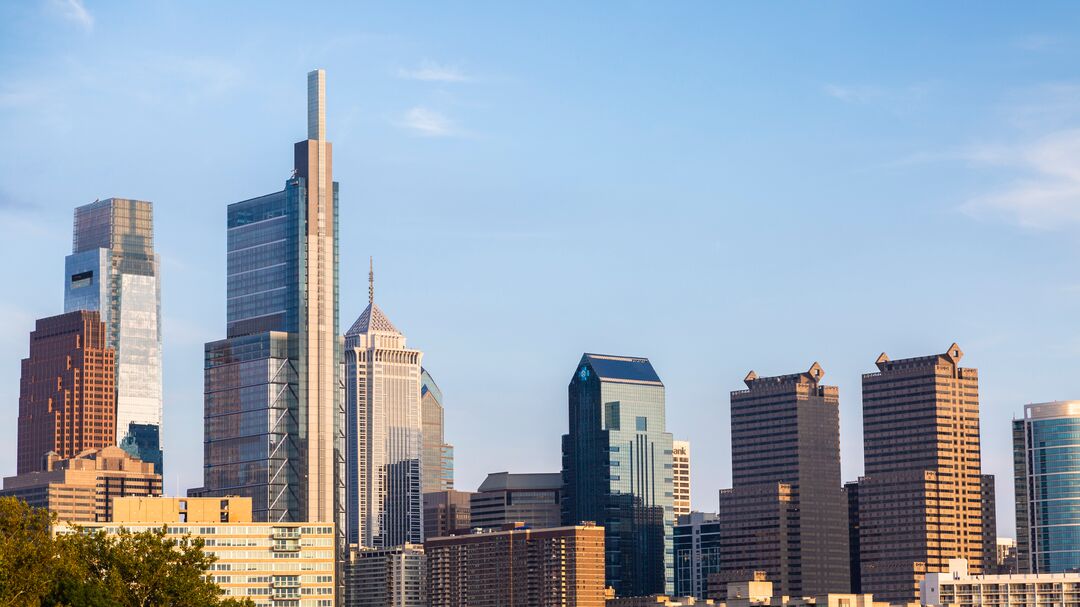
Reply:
x=617, y=470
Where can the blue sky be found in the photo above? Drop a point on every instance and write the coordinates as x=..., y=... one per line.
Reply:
x=719, y=187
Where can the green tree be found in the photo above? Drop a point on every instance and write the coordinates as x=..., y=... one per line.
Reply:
x=26, y=553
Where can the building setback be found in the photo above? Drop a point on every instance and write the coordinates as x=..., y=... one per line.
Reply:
x=504, y=498
x=447, y=513
x=680, y=457
x=438, y=458
x=920, y=498
x=557, y=567
x=386, y=577
x=785, y=460
x=67, y=394
x=617, y=469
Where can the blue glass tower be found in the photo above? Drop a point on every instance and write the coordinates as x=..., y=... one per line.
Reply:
x=617, y=470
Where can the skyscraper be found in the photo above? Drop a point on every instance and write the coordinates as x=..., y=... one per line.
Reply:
x=680, y=455
x=67, y=395
x=113, y=269
x=698, y=543
x=617, y=470
x=274, y=393
x=785, y=457
x=1046, y=456
x=919, y=501
x=438, y=458
x=384, y=433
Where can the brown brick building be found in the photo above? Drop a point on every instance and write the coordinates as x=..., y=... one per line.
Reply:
x=519, y=567
x=67, y=399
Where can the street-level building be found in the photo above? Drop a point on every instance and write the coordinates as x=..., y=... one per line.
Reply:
x=504, y=498
x=958, y=588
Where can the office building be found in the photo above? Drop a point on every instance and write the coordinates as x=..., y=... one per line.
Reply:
x=680, y=456
x=851, y=494
x=384, y=435
x=447, y=513
x=82, y=489
x=274, y=399
x=67, y=394
x=273, y=564
x=386, y=577
x=698, y=542
x=1046, y=457
x=113, y=269
x=504, y=498
x=438, y=458
x=617, y=469
x=1006, y=561
x=988, y=502
x=785, y=461
x=956, y=587
x=518, y=567
x=920, y=499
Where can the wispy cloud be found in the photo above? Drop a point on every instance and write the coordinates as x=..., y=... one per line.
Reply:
x=428, y=123
x=895, y=96
x=853, y=93
x=434, y=72
x=73, y=11
x=1037, y=42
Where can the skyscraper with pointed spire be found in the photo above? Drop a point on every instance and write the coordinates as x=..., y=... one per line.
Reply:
x=274, y=395
x=384, y=432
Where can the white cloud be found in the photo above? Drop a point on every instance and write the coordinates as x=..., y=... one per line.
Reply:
x=894, y=97
x=853, y=93
x=433, y=72
x=74, y=11
x=428, y=123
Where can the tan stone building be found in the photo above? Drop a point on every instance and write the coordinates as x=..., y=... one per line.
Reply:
x=519, y=567
x=81, y=489
x=680, y=461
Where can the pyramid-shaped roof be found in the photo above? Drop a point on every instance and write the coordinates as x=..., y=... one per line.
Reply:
x=372, y=319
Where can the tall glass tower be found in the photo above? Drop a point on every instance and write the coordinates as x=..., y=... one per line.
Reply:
x=1046, y=457
x=113, y=269
x=273, y=388
x=617, y=470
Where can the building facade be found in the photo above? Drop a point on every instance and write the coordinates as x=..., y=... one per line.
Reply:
x=447, y=513
x=557, y=567
x=438, y=468
x=617, y=470
x=920, y=499
x=274, y=396
x=82, y=489
x=698, y=542
x=114, y=270
x=67, y=393
x=785, y=461
x=680, y=456
x=1046, y=456
x=384, y=434
x=505, y=498
x=988, y=502
x=956, y=587
x=386, y=577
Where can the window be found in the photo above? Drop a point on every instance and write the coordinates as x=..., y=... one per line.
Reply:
x=642, y=424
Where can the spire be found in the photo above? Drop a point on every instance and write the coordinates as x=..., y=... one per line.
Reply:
x=371, y=281
x=316, y=111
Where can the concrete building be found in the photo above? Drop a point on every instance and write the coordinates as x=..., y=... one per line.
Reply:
x=785, y=461
x=1006, y=561
x=274, y=400
x=447, y=513
x=82, y=489
x=988, y=501
x=67, y=393
x=680, y=466
x=384, y=433
x=1046, y=463
x=920, y=499
x=386, y=577
x=273, y=564
x=505, y=498
x=657, y=600
x=698, y=541
x=557, y=567
x=114, y=270
x=757, y=591
x=438, y=472
x=617, y=469
x=956, y=587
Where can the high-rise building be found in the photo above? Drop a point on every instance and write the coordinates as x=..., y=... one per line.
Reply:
x=698, y=543
x=386, y=577
x=785, y=461
x=680, y=456
x=67, y=395
x=81, y=489
x=518, y=567
x=384, y=433
x=446, y=513
x=617, y=469
x=988, y=501
x=920, y=498
x=851, y=494
x=504, y=498
x=1046, y=457
x=273, y=388
x=438, y=472
x=113, y=269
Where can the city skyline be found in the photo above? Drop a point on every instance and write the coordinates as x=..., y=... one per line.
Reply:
x=1016, y=343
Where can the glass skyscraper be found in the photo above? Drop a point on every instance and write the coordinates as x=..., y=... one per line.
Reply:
x=274, y=427
x=1046, y=457
x=438, y=455
x=618, y=470
x=113, y=269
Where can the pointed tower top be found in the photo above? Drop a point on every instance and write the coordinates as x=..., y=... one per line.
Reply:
x=750, y=377
x=371, y=281
x=316, y=112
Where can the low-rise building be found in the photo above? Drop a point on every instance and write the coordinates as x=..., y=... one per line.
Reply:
x=956, y=588
x=386, y=577
x=757, y=591
x=657, y=600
